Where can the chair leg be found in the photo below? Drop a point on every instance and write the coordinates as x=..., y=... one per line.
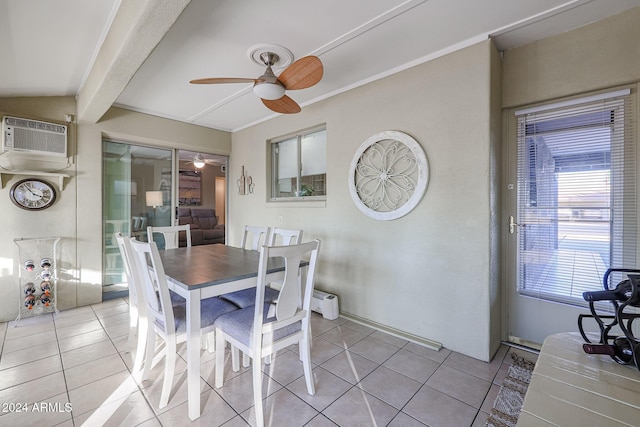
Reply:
x=150, y=350
x=220, y=344
x=305, y=353
x=246, y=360
x=235, y=358
x=204, y=343
x=134, y=321
x=257, y=393
x=169, y=370
x=211, y=340
x=143, y=330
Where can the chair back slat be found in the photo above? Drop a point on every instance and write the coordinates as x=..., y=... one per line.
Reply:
x=289, y=298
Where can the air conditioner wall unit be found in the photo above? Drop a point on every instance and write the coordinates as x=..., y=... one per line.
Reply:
x=325, y=304
x=34, y=137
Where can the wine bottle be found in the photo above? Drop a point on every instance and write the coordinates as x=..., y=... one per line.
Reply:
x=45, y=263
x=45, y=274
x=621, y=292
x=29, y=288
x=45, y=287
x=29, y=265
x=29, y=301
x=45, y=300
x=621, y=350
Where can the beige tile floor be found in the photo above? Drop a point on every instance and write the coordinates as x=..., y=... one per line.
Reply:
x=73, y=369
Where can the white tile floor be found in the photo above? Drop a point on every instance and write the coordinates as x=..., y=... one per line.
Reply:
x=73, y=369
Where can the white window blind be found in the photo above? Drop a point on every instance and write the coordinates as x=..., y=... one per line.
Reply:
x=576, y=195
x=288, y=159
x=299, y=165
x=313, y=153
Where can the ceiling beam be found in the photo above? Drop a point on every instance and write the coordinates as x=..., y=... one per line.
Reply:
x=137, y=28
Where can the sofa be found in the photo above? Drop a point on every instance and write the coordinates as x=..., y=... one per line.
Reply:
x=205, y=229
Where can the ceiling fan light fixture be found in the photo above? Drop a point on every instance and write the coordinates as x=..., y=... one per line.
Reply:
x=267, y=90
x=198, y=161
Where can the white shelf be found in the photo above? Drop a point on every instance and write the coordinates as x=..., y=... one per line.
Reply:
x=59, y=176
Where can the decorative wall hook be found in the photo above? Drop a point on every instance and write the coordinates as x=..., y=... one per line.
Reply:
x=245, y=184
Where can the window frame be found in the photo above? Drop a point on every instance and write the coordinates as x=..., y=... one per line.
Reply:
x=271, y=170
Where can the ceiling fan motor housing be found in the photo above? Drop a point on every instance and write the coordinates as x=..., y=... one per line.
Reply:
x=267, y=86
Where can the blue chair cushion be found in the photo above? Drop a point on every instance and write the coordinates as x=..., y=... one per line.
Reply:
x=176, y=299
x=239, y=324
x=247, y=297
x=210, y=310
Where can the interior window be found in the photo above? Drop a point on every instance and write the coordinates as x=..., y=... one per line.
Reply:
x=299, y=166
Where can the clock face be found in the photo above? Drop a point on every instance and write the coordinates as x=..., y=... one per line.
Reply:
x=33, y=194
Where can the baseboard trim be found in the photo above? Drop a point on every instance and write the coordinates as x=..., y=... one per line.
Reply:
x=523, y=344
x=433, y=345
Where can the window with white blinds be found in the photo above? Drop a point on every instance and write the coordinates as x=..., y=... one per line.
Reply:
x=576, y=195
x=299, y=165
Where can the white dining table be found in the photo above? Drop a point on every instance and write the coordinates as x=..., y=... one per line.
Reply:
x=206, y=271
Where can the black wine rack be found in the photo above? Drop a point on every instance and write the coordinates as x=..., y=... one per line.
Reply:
x=616, y=337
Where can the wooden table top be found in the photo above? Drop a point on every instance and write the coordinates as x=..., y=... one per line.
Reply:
x=571, y=388
x=206, y=265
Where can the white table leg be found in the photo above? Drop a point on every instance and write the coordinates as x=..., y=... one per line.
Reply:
x=193, y=353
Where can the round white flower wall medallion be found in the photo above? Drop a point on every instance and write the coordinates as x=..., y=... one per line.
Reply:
x=388, y=175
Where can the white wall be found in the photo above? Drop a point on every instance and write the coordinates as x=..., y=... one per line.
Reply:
x=597, y=56
x=429, y=273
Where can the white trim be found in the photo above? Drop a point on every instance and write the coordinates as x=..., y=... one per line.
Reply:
x=298, y=202
x=570, y=102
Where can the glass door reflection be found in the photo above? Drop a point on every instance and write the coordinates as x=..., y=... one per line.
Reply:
x=137, y=192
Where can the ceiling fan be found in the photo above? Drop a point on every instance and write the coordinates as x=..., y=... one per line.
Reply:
x=199, y=161
x=303, y=73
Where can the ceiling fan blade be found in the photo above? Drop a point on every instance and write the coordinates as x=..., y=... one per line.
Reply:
x=303, y=73
x=216, y=80
x=284, y=105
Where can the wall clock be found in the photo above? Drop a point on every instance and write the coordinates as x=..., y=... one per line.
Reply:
x=32, y=194
x=388, y=176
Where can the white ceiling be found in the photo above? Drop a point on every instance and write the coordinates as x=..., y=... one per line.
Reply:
x=53, y=48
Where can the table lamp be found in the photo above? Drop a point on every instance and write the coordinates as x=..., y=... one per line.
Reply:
x=153, y=199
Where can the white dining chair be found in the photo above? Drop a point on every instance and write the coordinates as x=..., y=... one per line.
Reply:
x=255, y=235
x=165, y=319
x=171, y=235
x=284, y=237
x=264, y=328
x=137, y=311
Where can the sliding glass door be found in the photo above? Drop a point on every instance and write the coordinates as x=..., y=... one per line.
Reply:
x=137, y=192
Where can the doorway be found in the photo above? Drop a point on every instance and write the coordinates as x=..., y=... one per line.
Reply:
x=211, y=170
x=571, y=205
